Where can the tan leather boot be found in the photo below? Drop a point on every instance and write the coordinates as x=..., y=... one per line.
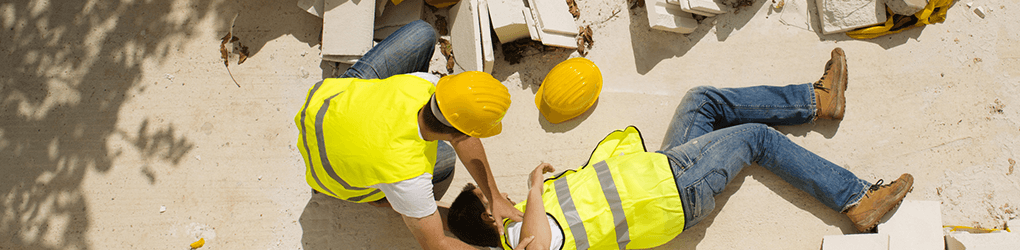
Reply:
x=829, y=90
x=878, y=201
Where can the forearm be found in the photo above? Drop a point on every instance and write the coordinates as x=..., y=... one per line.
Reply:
x=428, y=232
x=535, y=222
x=472, y=154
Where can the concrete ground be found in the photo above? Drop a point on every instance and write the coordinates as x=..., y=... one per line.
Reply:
x=121, y=128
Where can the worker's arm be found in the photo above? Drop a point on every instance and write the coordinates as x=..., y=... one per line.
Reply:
x=472, y=154
x=535, y=223
x=428, y=231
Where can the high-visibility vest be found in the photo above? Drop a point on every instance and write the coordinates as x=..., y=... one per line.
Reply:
x=622, y=198
x=356, y=133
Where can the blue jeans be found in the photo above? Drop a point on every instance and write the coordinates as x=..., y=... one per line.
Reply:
x=408, y=50
x=717, y=132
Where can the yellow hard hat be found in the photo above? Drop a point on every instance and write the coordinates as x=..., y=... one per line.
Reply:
x=569, y=90
x=472, y=102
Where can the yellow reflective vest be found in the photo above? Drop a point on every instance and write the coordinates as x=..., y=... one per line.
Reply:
x=622, y=198
x=356, y=133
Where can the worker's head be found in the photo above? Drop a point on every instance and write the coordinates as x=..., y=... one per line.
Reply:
x=569, y=90
x=469, y=218
x=473, y=102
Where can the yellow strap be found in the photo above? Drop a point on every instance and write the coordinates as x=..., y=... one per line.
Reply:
x=924, y=17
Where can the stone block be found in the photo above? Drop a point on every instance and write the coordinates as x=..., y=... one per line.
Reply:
x=466, y=37
x=347, y=27
x=982, y=241
x=906, y=7
x=856, y=242
x=838, y=16
x=395, y=16
x=706, y=6
x=488, y=58
x=914, y=225
x=314, y=7
x=553, y=16
x=669, y=17
x=685, y=6
x=507, y=21
x=532, y=25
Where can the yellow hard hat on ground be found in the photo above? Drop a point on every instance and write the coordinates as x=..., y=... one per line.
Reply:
x=569, y=90
x=472, y=102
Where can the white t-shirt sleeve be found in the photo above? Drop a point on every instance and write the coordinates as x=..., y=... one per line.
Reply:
x=412, y=197
x=513, y=233
x=427, y=76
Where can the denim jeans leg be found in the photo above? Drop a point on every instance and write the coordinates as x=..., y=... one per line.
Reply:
x=407, y=50
x=703, y=166
x=442, y=174
x=705, y=109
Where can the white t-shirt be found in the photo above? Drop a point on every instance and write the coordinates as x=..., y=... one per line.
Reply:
x=412, y=197
x=513, y=233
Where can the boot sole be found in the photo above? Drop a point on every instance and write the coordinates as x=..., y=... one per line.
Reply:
x=841, y=78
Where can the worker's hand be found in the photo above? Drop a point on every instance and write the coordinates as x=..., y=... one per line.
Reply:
x=525, y=242
x=503, y=209
x=536, y=175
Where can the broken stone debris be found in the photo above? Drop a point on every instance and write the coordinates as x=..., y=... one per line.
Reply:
x=669, y=17
x=554, y=26
x=395, y=16
x=507, y=19
x=347, y=29
x=843, y=15
x=982, y=241
x=906, y=7
x=466, y=37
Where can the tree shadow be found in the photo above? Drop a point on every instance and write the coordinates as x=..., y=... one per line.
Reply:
x=330, y=223
x=69, y=69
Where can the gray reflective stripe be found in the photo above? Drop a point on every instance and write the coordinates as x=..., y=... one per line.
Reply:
x=359, y=198
x=570, y=212
x=615, y=204
x=322, y=145
x=305, y=137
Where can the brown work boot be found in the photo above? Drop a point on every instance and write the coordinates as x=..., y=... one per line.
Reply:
x=829, y=90
x=878, y=200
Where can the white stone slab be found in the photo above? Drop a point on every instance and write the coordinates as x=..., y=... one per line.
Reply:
x=982, y=241
x=486, y=34
x=669, y=17
x=843, y=15
x=553, y=16
x=856, y=242
x=507, y=21
x=559, y=40
x=707, y=6
x=906, y=7
x=396, y=16
x=533, y=30
x=685, y=6
x=914, y=225
x=347, y=27
x=1013, y=225
x=465, y=36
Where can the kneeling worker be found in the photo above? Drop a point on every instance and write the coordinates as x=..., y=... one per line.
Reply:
x=374, y=134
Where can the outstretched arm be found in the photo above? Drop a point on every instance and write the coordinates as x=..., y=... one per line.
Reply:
x=472, y=154
x=535, y=223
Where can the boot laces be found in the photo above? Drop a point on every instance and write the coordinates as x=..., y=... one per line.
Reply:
x=875, y=187
x=818, y=84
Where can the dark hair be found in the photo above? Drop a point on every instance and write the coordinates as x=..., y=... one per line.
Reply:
x=432, y=123
x=465, y=220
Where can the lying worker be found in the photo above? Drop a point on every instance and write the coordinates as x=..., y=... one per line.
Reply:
x=625, y=197
x=375, y=133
